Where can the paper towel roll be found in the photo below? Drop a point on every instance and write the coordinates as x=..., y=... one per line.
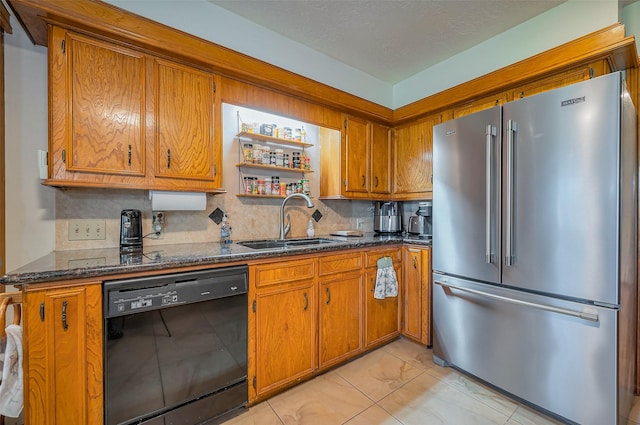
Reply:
x=177, y=201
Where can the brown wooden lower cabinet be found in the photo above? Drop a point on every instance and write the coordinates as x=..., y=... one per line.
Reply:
x=381, y=317
x=340, y=308
x=63, y=355
x=330, y=293
x=416, y=317
x=306, y=314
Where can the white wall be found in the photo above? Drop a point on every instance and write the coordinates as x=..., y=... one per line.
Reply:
x=559, y=25
x=213, y=23
x=30, y=207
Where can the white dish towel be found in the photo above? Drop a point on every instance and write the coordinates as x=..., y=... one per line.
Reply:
x=386, y=280
x=11, y=387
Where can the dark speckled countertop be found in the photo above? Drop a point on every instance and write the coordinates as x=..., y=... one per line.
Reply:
x=87, y=263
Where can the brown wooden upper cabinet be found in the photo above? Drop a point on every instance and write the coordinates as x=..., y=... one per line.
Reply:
x=413, y=157
x=358, y=165
x=367, y=153
x=122, y=118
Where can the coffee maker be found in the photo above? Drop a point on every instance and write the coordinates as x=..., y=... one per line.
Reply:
x=130, y=230
x=420, y=224
x=387, y=217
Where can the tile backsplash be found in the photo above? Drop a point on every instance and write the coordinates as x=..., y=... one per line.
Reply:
x=250, y=218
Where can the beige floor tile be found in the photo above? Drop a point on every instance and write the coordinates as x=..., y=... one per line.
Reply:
x=634, y=415
x=378, y=373
x=415, y=354
x=525, y=415
x=427, y=400
x=326, y=400
x=260, y=414
x=475, y=389
x=375, y=415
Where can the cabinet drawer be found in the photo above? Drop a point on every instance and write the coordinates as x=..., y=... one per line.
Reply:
x=372, y=257
x=287, y=271
x=340, y=263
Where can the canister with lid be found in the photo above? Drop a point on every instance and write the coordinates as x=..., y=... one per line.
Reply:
x=267, y=185
x=257, y=154
x=266, y=155
x=296, y=159
x=279, y=158
x=247, y=152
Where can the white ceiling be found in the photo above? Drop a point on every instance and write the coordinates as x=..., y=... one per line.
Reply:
x=388, y=39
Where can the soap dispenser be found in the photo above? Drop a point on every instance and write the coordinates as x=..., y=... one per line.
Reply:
x=310, y=231
x=225, y=230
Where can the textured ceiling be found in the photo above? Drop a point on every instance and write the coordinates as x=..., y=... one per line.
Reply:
x=388, y=39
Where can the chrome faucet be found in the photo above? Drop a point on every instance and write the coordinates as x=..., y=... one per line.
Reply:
x=285, y=229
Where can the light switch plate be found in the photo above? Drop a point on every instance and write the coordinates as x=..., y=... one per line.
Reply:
x=86, y=229
x=43, y=165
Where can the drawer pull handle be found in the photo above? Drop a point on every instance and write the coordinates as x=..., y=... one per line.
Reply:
x=328, y=296
x=306, y=302
x=415, y=263
x=65, y=326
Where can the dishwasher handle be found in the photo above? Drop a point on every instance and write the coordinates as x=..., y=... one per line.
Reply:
x=574, y=313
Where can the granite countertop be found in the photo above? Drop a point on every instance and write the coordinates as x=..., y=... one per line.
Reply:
x=87, y=263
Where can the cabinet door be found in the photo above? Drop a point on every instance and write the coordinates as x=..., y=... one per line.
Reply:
x=380, y=159
x=413, y=158
x=412, y=293
x=340, y=324
x=426, y=298
x=481, y=104
x=285, y=335
x=382, y=318
x=184, y=112
x=63, y=356
x=97, y=100
x=561, y=79
x=355, y=155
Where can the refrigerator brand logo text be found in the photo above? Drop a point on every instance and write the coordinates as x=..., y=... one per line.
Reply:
x=572, y=101
x=450, y=132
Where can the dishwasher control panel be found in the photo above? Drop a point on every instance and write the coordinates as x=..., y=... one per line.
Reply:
x=128, y=296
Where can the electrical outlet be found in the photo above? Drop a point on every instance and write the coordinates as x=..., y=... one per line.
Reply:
x=87, y=262
x=86, y=229
x=359, y=224
x=157, y=224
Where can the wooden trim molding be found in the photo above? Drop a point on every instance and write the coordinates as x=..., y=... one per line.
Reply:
x=104, y=20
x=609, y=44
x=5, y=26
x=101, y=19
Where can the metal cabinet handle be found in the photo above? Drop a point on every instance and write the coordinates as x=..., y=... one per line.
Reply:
x=376, y=181
x=168, y=158
x=512, y=128
x=364, y=181
x=415, y=262
x=574, y=313
x=65, y=326
x=328, y=296
x=129, y=156
x=306, y=301
x=490, y=133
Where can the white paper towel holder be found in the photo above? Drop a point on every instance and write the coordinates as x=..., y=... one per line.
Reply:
x=177, y=201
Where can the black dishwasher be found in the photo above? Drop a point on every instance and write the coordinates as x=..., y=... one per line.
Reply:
x=176, y=347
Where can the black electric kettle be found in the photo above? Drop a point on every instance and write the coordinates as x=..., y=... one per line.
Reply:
x=130, y=230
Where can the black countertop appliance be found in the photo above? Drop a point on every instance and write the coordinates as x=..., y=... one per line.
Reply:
x=130, y=230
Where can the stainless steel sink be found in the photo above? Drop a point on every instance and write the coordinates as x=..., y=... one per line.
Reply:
x=284, y=243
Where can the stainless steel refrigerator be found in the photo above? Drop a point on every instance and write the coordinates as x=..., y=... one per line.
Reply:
x=534, y=249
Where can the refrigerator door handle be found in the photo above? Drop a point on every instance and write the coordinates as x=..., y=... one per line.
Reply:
x=491, y=133
x=512, y=128
x=574, y=313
